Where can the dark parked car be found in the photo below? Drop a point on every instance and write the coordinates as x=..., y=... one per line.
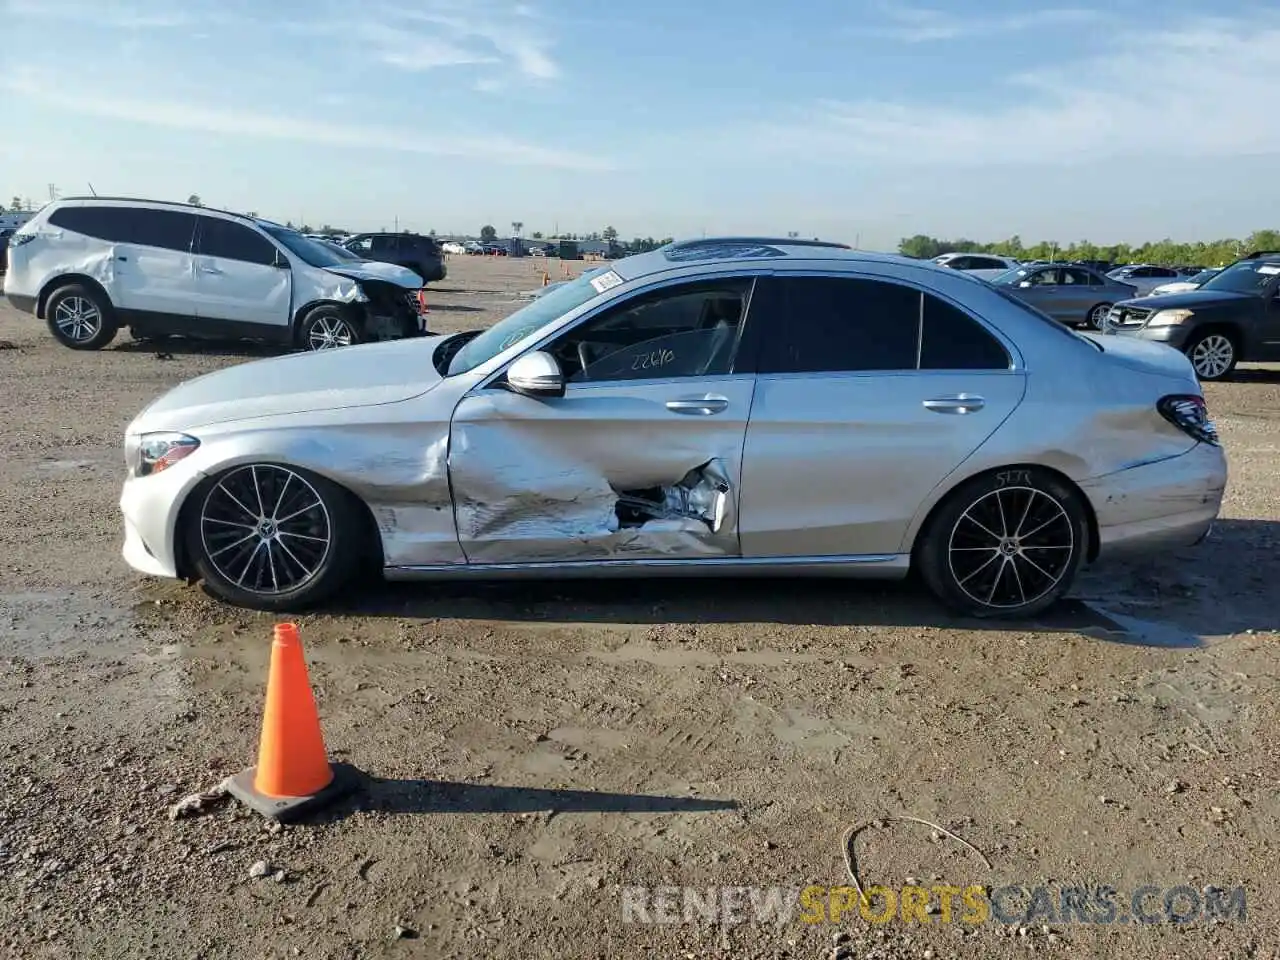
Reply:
x=1233, y=316
x=5, y=234
x=420, y=254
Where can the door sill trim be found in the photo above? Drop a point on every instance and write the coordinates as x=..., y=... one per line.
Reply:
x=877, y=566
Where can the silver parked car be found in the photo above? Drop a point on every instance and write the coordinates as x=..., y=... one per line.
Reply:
x=733, y=406
x=1076, y=296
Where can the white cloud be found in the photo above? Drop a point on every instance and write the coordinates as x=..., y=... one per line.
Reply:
x=924, y=25
x=66, y=95
x=153, y=16
x=511, y=30
x=1195, y=90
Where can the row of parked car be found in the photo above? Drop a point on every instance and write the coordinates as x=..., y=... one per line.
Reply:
x=1217, y=316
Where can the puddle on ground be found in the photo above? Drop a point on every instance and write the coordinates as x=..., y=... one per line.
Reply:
x=66, y=466
x=1119, y=628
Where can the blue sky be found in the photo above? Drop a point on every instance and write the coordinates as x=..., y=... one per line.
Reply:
x=859, y=120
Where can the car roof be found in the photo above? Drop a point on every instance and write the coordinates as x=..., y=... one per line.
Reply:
x=154, y=204
x=756, y=252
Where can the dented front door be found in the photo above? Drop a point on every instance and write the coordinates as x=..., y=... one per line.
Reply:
x=611, y=471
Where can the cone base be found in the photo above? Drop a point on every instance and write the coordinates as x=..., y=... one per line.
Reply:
x=346, y=779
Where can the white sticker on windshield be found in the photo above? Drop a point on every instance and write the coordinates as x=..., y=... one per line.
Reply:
x=1269, y=269
x=606, y=281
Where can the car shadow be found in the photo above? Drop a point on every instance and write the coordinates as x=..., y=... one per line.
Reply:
x=165, y=348
x=1220, y=587
x=792, y=601
x=376, y=794
x=1252, y=374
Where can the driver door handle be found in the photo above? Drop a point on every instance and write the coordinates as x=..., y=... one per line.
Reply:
x=960, y=403
x=699, y=407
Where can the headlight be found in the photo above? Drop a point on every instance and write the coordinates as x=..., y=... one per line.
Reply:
x=1168, y=318
x=154, y=452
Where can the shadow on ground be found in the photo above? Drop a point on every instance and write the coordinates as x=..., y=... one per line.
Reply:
x=1217, y=588
x=166, y=347
x=436, y=796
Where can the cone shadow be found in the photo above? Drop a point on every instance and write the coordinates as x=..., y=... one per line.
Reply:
x=437, y=796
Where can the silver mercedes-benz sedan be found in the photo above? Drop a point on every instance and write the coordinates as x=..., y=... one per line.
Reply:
x=723, y=406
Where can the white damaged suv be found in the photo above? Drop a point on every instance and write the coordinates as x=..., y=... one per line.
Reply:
x=91, y=265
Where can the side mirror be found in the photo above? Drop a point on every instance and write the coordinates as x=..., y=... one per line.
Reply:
x=536, y=375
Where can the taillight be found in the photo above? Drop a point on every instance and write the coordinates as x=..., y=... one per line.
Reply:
x=1190, y=414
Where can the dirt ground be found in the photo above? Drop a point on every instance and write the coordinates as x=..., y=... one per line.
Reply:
x=536, y=749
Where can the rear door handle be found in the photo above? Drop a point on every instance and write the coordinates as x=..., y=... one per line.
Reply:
x=700, y=407
x=960, y=403
x=210, y=270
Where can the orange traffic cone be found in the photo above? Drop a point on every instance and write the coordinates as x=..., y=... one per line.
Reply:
x=293, y=774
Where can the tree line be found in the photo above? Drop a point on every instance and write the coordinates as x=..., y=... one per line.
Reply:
x=1214, y=253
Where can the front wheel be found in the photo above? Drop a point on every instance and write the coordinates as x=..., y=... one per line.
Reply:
x=274, y=538
x=327, y=327
x=1098, y=315
x=1006, y=544
x=1213, y=355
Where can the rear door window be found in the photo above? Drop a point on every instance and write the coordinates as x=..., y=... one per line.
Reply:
x=837, y=325
x=164, y=229
x=234, y=241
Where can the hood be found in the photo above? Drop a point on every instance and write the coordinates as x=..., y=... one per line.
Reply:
x=1146, y=356
x=362, y=376
x=1191, y=299
x=1176, y=286
x=375, y=270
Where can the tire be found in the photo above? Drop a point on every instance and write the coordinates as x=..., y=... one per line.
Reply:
x=1096, y=315
x=308, y=549
x=976, y=572
x=328, y=327
x=1213, y=354
x=80, y=317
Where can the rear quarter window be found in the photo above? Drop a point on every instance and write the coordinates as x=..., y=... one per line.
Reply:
x=101, y=223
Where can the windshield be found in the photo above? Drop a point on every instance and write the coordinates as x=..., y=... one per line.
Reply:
x=524, y=323
x=1247, y=276
x=1010, y=276
x=1204, y=276
x=314, y=252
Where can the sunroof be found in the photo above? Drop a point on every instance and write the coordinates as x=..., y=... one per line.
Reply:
x=722, y=250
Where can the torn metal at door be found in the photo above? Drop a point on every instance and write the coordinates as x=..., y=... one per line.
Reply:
x=702, y=494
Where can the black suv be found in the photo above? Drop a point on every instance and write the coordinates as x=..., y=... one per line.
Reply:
x=1234, y=316
x=420, y=254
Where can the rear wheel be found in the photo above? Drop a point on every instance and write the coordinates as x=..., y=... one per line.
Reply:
x=274, y=538
x=80, y=318
x=1005, y=544
x=1213, y=354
